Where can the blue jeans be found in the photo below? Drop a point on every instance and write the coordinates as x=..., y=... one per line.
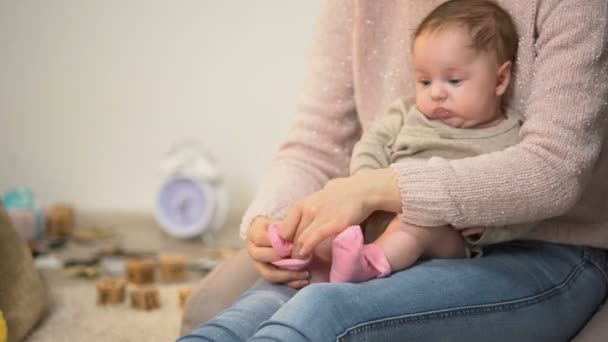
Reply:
x=518, y=291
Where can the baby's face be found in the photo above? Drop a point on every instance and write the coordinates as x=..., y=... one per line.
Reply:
x=454, y=82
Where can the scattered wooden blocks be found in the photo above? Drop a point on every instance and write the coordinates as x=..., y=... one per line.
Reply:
x=111, y=291
x=60, y=221
x=140, y=271
x=172, y=267
x=145, y=298
x=183, y=296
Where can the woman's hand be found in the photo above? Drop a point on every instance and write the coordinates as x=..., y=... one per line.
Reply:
x=260, y=250
x=341, y=203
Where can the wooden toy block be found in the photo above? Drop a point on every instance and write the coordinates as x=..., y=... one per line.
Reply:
x=60, y=221
x=140, y=271
x=172, y=267
x=111, y=291
x=183, y=296
x=145, y=298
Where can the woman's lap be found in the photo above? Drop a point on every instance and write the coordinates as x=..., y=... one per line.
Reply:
x=517, y=291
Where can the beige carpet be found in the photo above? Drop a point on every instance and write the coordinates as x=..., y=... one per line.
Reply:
x=75, y=316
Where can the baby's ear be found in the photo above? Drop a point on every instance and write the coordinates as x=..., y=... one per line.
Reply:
x=503, y=77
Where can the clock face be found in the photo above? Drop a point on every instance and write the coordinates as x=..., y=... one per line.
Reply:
x=184, y=207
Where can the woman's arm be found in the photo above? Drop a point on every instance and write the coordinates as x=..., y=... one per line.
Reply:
x=546, y=173
x=326, y=125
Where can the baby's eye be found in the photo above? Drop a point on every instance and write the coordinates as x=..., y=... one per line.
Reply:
x=425, y=83
x=455, y=81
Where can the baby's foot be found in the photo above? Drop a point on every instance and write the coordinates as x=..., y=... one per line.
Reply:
x=352, y=261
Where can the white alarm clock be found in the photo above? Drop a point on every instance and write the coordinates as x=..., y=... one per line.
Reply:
x=193, y=200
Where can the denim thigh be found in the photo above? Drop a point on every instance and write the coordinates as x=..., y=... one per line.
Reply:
x=519, y=291
x=241, y=320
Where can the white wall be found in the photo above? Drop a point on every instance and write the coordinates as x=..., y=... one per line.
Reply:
x=93, y=92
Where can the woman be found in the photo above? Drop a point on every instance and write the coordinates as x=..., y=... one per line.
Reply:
x=520, y=290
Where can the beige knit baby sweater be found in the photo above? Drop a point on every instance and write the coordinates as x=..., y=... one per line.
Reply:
x=558, y=173
x=404, y=133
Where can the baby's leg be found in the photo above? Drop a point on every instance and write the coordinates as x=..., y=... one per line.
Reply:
x=404, y=244
x=399, y=247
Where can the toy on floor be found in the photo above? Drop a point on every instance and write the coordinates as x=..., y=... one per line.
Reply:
x=3, y=329
x=60, y=221
x=145, y=298
x=24, y=220
x=140, y=271
x=139, y=276
x=26, y=215
x=184, y=293
x=93, y=234
x=172, y=267
x=119, y=251
x=111, y=291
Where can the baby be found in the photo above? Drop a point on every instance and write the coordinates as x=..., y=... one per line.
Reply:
x=463, y=55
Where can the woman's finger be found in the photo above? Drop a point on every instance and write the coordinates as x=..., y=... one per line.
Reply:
x=313, y=235
x=258, y=234
x=289, y=225
x=298, y=284
x=307, y=218
x=276, y=275
x=262, y=254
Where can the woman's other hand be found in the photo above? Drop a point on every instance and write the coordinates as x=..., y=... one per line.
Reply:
x=262, y=254
x=341, y=203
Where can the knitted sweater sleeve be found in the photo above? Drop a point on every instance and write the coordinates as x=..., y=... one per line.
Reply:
x=545, y=174
x=318, y=145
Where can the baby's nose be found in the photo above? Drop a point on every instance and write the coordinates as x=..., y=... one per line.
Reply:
x=438, y=93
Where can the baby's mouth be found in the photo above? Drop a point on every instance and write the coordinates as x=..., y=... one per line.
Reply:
x=441, y=113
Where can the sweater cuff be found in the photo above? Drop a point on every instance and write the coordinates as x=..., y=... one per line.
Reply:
x=256, y=210
x=273, y=198
x=425, y=201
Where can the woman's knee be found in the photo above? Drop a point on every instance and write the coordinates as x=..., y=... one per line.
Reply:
x=318, y=301
x=313, y=314
x=323, y=292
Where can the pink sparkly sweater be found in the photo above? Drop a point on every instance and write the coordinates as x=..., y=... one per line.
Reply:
x=558, y=175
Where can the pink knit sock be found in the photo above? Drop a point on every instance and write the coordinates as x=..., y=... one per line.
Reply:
x=283, y=249
x=352, y=261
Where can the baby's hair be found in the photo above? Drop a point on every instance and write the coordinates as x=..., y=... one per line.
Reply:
x=491, y=27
